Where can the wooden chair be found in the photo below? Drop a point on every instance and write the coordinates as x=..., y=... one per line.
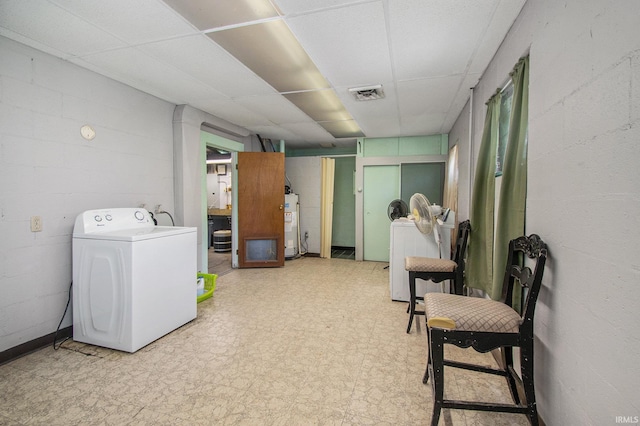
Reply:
x=485, y=325
x=437, y=270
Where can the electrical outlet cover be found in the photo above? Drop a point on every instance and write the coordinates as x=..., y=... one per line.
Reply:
x=36, y=224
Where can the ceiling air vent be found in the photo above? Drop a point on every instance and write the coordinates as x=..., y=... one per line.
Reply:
x=368, y=93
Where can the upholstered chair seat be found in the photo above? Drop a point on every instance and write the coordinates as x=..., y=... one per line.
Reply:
x=428, y=264
x=472, y=313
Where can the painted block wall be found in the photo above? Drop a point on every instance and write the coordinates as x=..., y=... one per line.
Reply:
x=217, y=197
x=47, y=169
x=305, y=175
x=583, y=198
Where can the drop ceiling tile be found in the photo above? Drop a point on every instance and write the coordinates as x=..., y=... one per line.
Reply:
x=275, y=108
x=36, y=44
x=139, y=70
x=432, y=95
x=47, y=24
x=349, y=45
x=424, y=124
x=312, y=132
x=209, y=63
x=380, y=126
x=426, y=42
x=300, y=6
x=144, y=20
x=232, y=112
x=372, y=122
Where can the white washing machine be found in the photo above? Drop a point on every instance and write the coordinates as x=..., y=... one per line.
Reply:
x=133, y=282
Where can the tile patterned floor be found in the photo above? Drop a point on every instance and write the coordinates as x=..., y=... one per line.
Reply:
x=219, y=263
x=318, y=342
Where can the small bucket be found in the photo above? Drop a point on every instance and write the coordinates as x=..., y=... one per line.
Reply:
x=222, y=241
x=209, y=286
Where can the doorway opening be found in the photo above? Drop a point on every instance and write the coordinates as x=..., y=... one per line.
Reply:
x=219, y=195
x=219, y=208
x=343, y=232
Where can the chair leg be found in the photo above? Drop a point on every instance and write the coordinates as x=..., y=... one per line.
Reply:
x=412, y=299
x=507, y=361
x=526, y=362
x=436, y=351
x=425, y=378
x=455, y=286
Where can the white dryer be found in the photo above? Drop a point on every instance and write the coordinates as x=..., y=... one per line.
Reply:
x=407, y=240
x=133, y=282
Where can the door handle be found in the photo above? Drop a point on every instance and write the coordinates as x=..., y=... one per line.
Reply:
x=281, y=206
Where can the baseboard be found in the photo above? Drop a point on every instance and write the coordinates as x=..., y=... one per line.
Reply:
x=33, y=345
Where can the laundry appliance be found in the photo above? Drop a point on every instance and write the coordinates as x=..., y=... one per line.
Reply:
x=407, y=240
x=133, y=282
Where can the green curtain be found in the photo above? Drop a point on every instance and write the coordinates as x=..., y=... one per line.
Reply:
x=479, y=272
x=510, y=222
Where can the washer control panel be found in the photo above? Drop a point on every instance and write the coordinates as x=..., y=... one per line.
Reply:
x=112, y=220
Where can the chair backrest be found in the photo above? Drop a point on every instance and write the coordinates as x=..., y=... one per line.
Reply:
x=516, y=271
x=461, y=243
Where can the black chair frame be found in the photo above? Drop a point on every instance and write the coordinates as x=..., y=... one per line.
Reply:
x=457, y=276
x=534, y=248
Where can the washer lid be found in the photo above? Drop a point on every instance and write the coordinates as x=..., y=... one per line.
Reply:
x=137, y=234
x=122, y=224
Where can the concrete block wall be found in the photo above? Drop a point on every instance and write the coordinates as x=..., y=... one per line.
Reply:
x=217, y=197
x=47, y=169
x=305, y=174
x=583, y=198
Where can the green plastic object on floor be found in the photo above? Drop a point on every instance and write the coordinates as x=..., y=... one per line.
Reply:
x=209, y=286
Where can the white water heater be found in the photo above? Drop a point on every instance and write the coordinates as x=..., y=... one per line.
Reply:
x=291, y=226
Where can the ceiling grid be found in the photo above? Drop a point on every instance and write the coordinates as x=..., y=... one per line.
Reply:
x=282, y=68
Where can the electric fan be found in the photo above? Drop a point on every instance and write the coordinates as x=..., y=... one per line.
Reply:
x=397, y=209
x=423, y=215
